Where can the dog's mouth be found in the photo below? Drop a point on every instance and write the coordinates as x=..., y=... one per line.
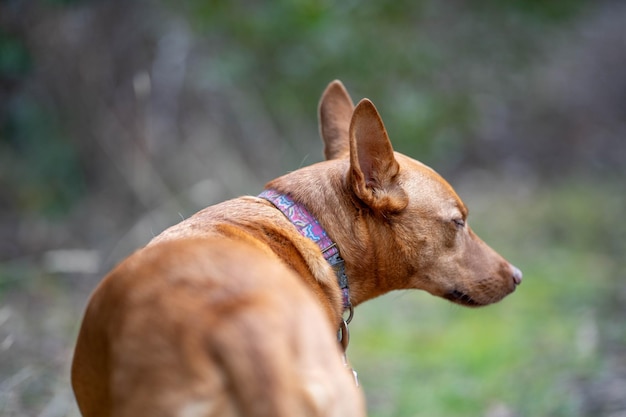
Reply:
x=462, y=298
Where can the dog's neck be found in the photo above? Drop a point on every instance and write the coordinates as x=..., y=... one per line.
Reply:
x=309, y=227
x=330, y=202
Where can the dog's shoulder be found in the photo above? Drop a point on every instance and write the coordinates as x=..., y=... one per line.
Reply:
x=237, y=216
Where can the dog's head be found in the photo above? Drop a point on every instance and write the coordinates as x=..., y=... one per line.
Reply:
x=417, y=221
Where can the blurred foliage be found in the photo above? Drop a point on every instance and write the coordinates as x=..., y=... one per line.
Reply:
x=416, y=59
x=37, y=155
x=39, y=167
x=445, y=76
x=548, y=11
x=14, y=58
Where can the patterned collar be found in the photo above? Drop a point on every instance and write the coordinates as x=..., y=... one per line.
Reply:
x=309, y=227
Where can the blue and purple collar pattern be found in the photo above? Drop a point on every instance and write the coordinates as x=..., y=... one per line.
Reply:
x=309, y=227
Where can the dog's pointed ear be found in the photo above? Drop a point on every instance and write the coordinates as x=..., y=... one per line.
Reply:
x=335, y=111
x=373, y=166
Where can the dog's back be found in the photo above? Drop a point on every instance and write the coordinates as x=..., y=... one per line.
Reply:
x=201, y=343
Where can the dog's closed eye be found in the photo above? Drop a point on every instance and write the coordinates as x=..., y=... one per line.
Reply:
x=460, y=223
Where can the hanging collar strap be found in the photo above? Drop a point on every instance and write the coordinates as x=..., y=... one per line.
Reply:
x=309, y=227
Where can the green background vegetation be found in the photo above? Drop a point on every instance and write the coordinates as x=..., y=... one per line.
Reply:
x=117, y=118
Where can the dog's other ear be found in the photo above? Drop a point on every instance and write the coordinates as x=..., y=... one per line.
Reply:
x=335, y=111
x=373, y=166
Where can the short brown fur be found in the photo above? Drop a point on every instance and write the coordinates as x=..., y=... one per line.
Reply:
x=233, y=313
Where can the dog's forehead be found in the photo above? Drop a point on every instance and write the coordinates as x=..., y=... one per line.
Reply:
x=422, y=180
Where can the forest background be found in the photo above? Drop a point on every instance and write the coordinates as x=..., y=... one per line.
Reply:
x=118, y=118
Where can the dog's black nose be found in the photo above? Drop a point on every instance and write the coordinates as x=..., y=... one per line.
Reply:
x=517, y=275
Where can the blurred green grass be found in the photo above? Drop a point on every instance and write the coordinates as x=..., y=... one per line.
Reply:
x=421, y=356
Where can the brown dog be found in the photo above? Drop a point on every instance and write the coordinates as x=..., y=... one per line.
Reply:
x=233, y=312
